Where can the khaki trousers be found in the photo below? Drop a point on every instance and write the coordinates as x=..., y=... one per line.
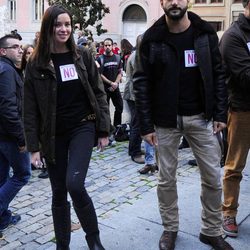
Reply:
x=238, y=148
x=206, y=149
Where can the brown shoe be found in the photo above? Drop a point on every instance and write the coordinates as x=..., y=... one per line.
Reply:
x=167, y=240
x=148, y=168
x=217, y=242
x=139, y=159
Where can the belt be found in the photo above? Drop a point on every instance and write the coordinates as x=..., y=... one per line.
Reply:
x=90, y=117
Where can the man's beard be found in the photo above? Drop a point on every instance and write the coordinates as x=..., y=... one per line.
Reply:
x=175, y=13
x=108, y=51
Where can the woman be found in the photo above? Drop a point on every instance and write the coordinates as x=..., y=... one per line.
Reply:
x=126, y=50
x=27, y=52
x=64, y=108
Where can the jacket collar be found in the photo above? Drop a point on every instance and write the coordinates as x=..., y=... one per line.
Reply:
x=243, y=22
x=7, y=60
x=200, y=26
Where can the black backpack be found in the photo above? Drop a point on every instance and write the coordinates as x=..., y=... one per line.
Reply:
x=122, y=132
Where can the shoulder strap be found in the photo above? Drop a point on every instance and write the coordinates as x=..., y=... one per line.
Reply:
x=101, y=63
x=117, y=58
x=102, y=59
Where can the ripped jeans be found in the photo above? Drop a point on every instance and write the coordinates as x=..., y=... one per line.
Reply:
x=72, y=153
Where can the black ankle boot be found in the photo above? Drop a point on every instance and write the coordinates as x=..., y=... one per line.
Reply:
x=94, y=242
x=62, y=226
x=88, y=220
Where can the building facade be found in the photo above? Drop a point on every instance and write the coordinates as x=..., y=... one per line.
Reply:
x=127, y=18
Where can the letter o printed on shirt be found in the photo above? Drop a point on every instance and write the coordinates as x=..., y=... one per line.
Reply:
x=68, y=72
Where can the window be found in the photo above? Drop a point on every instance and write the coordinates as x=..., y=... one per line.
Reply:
x=12, y=9
x=216, y=1
x=134, y=13
x=216, y=25
x=200, y=1
x=38, y=6
x=208, y=1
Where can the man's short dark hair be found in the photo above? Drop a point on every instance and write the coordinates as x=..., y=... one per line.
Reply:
x=18, y=36
x=3, y=40
x=109, y=39
x=245, y=3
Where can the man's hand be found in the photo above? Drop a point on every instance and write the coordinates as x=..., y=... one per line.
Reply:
x=102, y=143
x=114, y=85
x=36, y=160
x=150, y=138
x=218, y=126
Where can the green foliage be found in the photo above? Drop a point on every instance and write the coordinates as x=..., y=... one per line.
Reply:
x=86, y=13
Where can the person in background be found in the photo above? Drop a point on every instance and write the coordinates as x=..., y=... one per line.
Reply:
x=37, y=34
x=235, y=50
x=111, y=74
x=135, y=140
x=65, y=110
x=101, y=48
x=82, y=42
x=13, y=152
x=116, y=50
x=150, y=159
x=126, y=50
x=180, y=89
x=27, y=52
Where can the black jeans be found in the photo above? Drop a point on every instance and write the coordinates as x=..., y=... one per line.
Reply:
x=72, y=153
x=134, y=137
x=117, y=101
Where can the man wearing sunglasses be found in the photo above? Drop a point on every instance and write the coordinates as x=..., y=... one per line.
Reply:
x=12, y=144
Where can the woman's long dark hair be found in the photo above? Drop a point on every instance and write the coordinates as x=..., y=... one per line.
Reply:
x=126, y=47
x=42, y=52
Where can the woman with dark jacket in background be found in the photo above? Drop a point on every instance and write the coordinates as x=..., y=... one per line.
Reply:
x=65, y=108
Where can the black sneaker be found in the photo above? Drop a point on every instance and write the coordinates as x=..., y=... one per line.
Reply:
x=44, y=174
x=13, y=221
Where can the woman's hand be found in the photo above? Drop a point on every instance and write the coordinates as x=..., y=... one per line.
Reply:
x=102, y=143
x=36, y=160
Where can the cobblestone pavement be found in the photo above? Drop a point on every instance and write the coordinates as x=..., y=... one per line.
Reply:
x=112, y=181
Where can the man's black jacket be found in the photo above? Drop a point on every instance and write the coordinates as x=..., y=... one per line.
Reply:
x=156, y=76
x=11, y=93
x=235, y=50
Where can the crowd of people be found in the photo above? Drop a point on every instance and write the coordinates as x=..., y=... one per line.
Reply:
x=54, y=108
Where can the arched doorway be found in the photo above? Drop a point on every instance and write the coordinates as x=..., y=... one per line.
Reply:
x=134, y=22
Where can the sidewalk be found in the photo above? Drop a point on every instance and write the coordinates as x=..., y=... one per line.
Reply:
x=138, y=226
x=126, y=205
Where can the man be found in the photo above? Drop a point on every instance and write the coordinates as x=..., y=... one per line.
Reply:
x=180, y=90
x=12, y=144
x=235, y=49
x=116, y=49
x=111, y=73
x=134, y=147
